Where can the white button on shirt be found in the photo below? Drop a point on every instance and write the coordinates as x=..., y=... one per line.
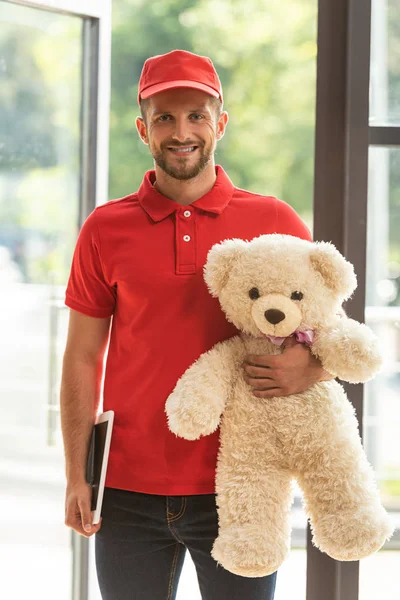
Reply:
x=187, y=213
x=186, y=238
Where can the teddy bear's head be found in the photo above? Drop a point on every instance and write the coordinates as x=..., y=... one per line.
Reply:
x=277, y=284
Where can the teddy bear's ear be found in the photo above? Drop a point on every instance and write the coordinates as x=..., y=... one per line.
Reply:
x=337, y=272
x=220, y=259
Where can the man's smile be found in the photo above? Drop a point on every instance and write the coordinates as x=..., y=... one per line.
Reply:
x=182, y=150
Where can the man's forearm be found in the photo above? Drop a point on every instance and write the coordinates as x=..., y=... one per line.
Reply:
x=80, y=393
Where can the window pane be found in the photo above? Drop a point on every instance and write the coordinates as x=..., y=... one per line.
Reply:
x=378, y=574
x=385, y=63
x=40, y=91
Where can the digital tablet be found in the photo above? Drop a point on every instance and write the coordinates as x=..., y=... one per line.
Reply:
x=96, y=465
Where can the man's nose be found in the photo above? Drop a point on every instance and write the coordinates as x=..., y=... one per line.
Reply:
x=181, y=132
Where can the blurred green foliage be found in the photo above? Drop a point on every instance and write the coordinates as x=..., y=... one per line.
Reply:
x=265, y=55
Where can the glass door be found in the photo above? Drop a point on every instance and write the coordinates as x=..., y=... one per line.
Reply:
x=47, y=184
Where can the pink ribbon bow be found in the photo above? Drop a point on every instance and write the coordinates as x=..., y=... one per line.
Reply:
x=302, y=337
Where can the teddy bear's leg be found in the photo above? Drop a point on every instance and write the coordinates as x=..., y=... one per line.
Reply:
x=347, y=518
x=254, y=520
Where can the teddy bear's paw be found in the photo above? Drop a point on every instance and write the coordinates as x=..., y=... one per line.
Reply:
x=353, y=535
x=350, y=351
x=248, y=551
x=190, y=421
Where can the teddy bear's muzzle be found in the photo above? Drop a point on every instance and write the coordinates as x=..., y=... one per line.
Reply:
x=275, y=314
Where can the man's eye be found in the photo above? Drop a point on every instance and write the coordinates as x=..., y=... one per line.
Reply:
x=297, y=296
x=163, y=117
x=197, y=115
x=254, y=293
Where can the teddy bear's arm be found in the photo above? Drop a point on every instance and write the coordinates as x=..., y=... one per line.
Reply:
x=195, y=406
x=349, y=351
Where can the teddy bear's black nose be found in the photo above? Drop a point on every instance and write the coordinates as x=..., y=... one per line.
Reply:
x=274, y=316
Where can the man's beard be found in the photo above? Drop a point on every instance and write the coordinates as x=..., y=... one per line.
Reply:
x=183, y=172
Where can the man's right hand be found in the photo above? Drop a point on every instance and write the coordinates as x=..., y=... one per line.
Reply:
x=77, y=509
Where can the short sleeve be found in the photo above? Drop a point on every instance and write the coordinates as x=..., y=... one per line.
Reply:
x=88, y=291
x=289, y=222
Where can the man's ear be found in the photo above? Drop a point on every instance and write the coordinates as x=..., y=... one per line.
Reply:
x=142, y=130
x=337, y=272
x=221, y=125
x=220, y=260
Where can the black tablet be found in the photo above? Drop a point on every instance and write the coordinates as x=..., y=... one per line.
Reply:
x=96, y=465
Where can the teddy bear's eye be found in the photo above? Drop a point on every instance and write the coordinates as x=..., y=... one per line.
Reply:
x=297, y=296
x=254, y=293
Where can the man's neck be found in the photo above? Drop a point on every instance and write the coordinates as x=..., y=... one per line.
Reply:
x=185, y=191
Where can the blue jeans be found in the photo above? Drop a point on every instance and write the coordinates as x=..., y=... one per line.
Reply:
x=141, y=545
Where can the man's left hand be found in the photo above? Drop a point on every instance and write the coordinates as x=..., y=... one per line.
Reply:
x=292, y=372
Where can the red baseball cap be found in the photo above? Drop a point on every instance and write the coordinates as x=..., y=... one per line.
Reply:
x=178, y=69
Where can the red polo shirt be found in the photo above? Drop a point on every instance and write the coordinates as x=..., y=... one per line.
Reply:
x=140, y=259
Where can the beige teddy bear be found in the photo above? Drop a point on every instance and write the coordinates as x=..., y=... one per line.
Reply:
x=270, y=288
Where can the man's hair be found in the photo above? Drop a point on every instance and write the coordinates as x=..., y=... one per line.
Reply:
x=216, y=102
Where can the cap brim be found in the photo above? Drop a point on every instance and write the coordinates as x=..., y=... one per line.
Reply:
x=170, y=85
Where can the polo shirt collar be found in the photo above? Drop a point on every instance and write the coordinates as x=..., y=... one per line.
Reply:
x=158, y=207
